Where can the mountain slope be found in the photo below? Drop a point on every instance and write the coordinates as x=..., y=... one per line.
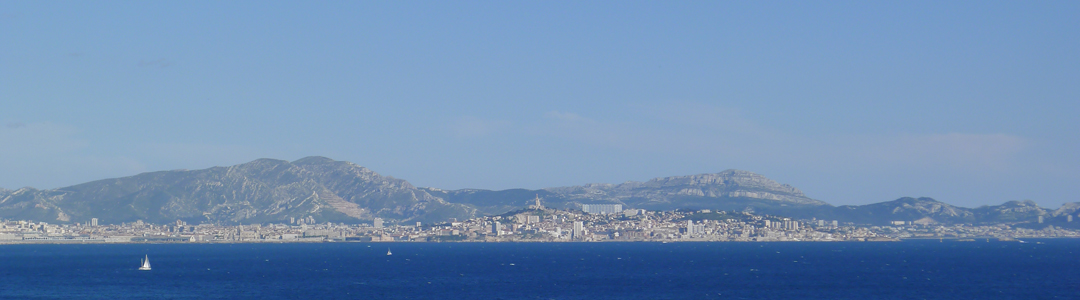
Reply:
x=1012, y=211
x=264, y=190
x=662, y=191
x=903, y=209
x=930, y=211
x=273, y=191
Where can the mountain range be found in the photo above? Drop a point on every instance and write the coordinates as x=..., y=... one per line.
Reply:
x=278, y=191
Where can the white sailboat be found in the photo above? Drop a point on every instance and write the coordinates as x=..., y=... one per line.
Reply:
x=145, y=264
x=388, y=252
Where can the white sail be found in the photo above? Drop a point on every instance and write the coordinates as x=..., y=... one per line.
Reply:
x=145, y=264
x=388, y=252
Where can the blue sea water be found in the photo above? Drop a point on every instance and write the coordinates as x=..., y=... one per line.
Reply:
x=790, y=270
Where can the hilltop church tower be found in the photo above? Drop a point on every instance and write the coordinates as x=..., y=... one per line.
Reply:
x=537, y=205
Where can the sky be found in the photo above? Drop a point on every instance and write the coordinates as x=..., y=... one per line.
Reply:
x=968, y=102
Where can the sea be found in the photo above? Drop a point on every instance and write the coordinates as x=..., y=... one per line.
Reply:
x=914, y=269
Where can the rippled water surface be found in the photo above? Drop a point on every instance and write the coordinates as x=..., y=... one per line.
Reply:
x=1049, y=269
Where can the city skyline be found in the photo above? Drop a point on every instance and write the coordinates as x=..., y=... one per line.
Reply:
x=539, y=224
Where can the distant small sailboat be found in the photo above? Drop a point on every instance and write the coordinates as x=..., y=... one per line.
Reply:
x=145, y=264
x=388, y=252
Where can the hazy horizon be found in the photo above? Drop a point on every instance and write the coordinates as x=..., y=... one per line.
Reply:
x=971, y=103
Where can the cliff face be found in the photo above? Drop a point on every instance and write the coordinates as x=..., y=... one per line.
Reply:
x=263, y=190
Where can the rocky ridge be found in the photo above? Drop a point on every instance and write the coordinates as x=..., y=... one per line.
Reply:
x=726, y=184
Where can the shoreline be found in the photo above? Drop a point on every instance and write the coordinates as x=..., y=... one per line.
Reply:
x=949, y=239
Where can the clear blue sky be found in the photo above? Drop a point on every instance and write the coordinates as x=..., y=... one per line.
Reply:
x=968, y=102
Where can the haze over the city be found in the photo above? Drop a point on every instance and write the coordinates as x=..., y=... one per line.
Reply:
x=971, y=103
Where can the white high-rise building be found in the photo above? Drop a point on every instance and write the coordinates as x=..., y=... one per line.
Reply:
x=602, y=208
x=93, y=222
x=378, y=223
x=579, y=230
x=694, y=229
